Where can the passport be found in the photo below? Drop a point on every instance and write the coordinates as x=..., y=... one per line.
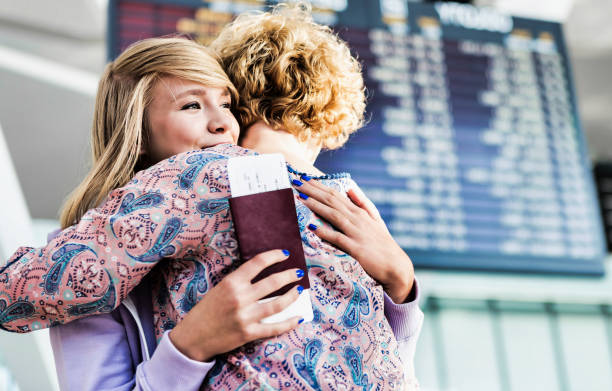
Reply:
x=265, y=218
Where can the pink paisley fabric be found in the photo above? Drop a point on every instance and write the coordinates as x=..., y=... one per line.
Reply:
x=173, y=221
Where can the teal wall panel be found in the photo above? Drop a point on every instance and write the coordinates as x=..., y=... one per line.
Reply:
x=426, y=362
x=469, y=345
x=585, y=348
x=530, y=351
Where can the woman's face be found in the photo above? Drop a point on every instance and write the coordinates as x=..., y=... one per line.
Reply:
x=185, y=115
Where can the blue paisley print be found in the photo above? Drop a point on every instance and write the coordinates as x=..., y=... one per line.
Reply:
x=103, y=305
x=196, y=163
x=162, y=248
x=17, y=310
x=305, y=364
x=212, y=207
x=197, y=285
x=357, y=305
x=353, y=360
x=61, y=258
x=130, y=205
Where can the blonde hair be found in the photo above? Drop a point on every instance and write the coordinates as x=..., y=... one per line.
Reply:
x=293, y=74
x=119, y=131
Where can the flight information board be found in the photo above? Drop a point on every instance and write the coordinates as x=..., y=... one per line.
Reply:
x=473, y=151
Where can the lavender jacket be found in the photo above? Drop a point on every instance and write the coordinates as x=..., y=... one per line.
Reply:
x=118, y=351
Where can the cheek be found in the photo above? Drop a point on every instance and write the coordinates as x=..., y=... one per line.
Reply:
x=180, y=130
x=172, y=137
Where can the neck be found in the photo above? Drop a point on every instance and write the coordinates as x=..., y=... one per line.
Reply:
x=262, y=138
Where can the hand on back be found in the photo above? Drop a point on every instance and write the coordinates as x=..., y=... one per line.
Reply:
x=229, y=315
x=361, y=233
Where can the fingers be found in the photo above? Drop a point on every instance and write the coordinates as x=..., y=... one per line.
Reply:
x=326, y=202
x=255, y=265
x=336, y=238
x=275, y=305
x=276, y=281
x=266, y=330
x=336, y=218
x=255, y=312
x=325, y=195
x=339, y=208
x=360, y=199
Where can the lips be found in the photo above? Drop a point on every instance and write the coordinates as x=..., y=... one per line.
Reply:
x=215, y=144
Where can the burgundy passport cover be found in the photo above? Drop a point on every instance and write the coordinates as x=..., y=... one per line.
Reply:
x=268, y=221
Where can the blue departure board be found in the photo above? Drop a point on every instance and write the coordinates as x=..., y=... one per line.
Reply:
x=473, y=151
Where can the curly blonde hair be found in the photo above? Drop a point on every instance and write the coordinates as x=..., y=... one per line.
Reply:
x=293, y=74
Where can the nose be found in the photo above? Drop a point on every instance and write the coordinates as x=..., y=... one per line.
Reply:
x=219, y=122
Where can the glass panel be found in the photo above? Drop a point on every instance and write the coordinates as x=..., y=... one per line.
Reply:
x=477, y=345
x=530, y=354
x=470, y=353
x=426, y=359
x=586, y=351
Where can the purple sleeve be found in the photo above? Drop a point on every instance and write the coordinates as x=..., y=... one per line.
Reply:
x=406, y=321
x=169, y=369
x=99, y=347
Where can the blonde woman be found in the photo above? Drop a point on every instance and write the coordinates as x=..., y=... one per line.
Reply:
x=158, y=98
x=241, y=325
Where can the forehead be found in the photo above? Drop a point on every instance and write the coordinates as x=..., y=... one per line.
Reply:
x=171, y=88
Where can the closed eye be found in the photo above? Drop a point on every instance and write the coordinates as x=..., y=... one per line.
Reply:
x=226, y=105
x=192, y=105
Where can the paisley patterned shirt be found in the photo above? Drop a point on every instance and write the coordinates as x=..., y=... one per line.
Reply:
x=179, y=208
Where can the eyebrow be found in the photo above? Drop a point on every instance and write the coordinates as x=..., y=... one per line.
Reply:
x=199, y=92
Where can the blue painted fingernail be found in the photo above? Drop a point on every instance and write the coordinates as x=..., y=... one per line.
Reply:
x=303, y=196
x=306, y=177
x=286, y=252
x=296, y=182
x=300, y=273
x=312, y=227
x=300, y=288
x=300, y=321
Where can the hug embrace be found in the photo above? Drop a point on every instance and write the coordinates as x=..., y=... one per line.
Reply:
x=144, y=287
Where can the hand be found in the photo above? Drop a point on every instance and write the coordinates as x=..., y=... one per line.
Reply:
x=361, y=233
x=228, y=316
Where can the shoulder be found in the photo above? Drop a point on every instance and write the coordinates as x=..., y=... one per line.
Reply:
x=212, y=154
x=341, y=182
x=184, y=170
x=202, y=157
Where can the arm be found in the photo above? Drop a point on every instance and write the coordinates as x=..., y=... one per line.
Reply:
x=90, y=268
x=228, y=316
x=361, y=233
